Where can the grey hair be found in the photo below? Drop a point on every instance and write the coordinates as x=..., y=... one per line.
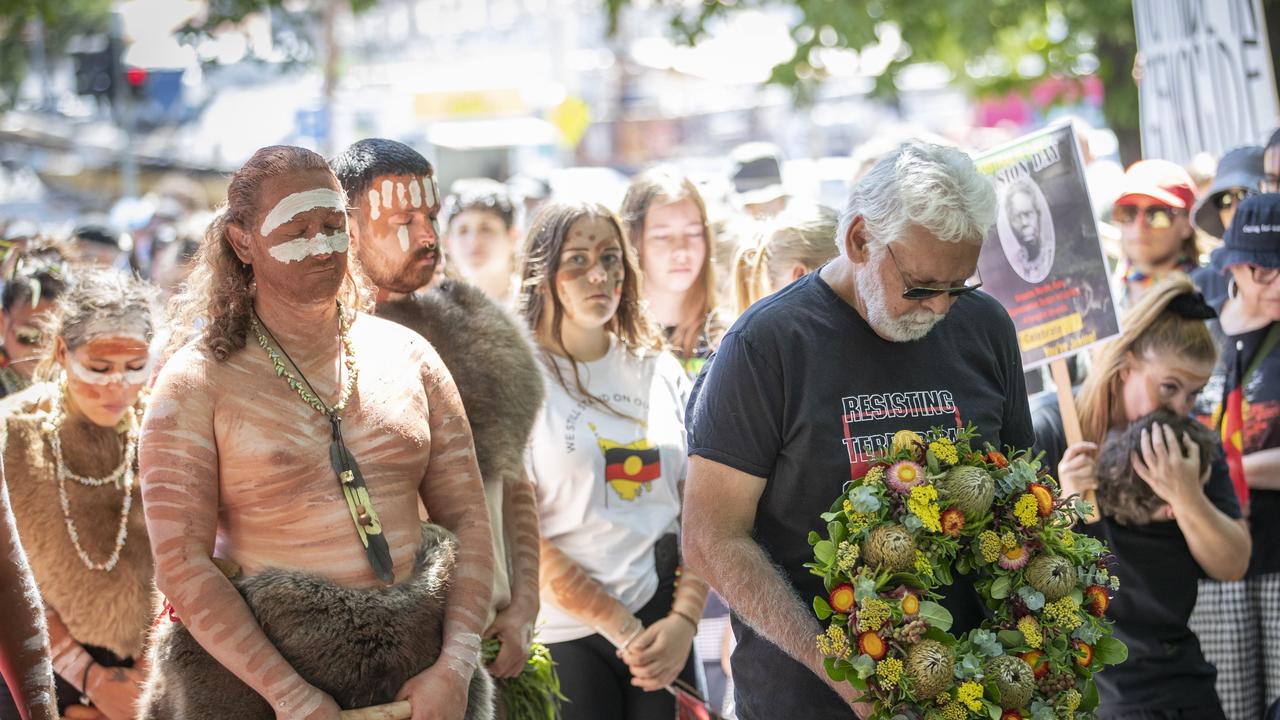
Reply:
x=933, y=186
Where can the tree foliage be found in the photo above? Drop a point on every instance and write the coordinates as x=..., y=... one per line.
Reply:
x=991, y=46
x=61, y=20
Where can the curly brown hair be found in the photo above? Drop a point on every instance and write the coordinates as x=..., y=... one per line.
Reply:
x=217, y=297
x=1124, y=496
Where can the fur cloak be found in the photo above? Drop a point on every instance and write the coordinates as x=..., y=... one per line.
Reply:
x=111, y=610
x=491, y=359
x=490, y=356
x=359, y=645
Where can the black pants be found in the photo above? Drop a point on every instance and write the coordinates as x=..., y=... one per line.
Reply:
x=598, y=683
x=1202, y=712
x=67, y=693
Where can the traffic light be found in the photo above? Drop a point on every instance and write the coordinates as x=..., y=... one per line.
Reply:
x=95, y=59
x=136, y=79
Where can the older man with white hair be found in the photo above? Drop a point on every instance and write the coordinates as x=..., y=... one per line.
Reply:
x=811, y=383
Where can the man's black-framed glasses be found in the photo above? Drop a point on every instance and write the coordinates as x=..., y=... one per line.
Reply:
x=924, y=293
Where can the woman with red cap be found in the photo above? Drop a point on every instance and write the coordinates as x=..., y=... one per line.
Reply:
x=1156, y=236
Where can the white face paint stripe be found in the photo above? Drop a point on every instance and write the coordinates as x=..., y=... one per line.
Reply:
x=293, y=205
x=386, y=193
x=435, y=189
x=400, y=195
x=374, y=200
x=302, y=248
x=415, y=193
x=90, y=377
x=403, y=234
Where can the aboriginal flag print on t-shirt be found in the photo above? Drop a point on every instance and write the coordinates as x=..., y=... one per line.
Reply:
x=628, y=469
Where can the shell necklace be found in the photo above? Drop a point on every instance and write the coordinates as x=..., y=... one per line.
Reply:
x=121, y=477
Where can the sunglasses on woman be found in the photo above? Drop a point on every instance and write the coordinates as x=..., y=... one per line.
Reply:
x=924, y=293
x=1263, y=275
x=1158, y=217
x=1230, y=198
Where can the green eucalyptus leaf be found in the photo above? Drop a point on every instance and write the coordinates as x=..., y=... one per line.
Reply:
x=936, y=615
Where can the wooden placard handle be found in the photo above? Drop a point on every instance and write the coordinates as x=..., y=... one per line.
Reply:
x=1071, y=422
x=392, y=711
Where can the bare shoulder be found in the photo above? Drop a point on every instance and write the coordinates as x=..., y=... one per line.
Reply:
x=191, y=368
x=390, y=340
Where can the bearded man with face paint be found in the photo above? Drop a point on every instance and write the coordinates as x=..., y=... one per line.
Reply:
x=294, y=438
x=810, y=385
x=395, y=230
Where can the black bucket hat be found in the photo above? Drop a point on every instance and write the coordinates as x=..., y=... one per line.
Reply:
x=1240, y=168
x=1254, y=235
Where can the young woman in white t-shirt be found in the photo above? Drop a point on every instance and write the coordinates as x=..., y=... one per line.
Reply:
x=607, y=458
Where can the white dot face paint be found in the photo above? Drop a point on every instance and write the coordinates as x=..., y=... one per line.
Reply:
x=403, y=234
x=415, y=193
x=303, y=248
x=386, y=193
x=430, y=191
x=375, y=200
x=89, y=377
x=291, y=206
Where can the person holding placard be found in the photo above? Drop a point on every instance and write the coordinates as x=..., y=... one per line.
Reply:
x=1189, y=527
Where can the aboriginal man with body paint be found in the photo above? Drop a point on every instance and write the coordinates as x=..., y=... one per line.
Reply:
x=394, y=209
x=293, y=439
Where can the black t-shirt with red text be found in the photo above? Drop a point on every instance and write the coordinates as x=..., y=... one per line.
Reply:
x=1261, y=404
x=803, y=393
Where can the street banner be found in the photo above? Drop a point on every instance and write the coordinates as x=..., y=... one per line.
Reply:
x=1205, y=78
x=1042, y=259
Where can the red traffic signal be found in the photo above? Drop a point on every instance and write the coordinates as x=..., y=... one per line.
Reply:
x=136, y=76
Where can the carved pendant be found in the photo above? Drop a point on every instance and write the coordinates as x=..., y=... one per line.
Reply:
x=363, y=514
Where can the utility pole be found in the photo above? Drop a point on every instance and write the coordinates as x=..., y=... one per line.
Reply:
x=125, y=109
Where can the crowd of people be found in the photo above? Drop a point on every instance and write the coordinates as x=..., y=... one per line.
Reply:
x=363, y=438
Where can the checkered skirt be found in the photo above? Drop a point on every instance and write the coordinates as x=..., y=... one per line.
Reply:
x=1238, y=624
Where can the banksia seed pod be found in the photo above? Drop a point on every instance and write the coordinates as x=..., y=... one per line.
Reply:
x=929, y=665
x=969, y=488
x=1052, y=576
x=890, y=547
x=1014, y=678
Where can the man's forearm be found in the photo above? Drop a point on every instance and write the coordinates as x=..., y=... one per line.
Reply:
x=1262, y=469
x=467, y=606
x=217, y=617
x=520, y=525
x=761, y=596
x=24, y=641
x=1219, y=544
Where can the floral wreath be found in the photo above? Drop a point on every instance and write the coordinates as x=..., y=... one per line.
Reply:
x=896, y=535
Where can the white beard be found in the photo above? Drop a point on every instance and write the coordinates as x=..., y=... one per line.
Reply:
x=908, y=327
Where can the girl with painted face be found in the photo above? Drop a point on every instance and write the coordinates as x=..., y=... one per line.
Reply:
x=1168, y=511
x=70, y=447
x=666, y=219
x=607, y=458
x=482, y=236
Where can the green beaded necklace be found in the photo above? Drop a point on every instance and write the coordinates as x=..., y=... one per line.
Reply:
x=354, y=489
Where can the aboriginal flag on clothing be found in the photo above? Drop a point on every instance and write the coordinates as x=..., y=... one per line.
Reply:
x=632, y=464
